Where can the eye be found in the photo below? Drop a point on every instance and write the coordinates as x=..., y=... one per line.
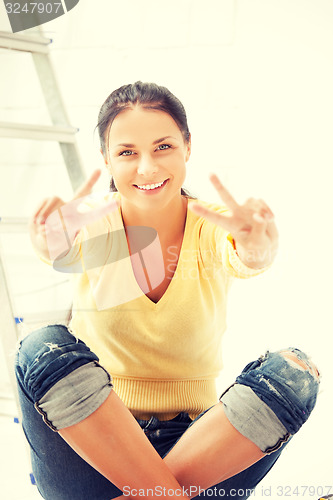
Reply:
x=167, y=146
x=122, y=153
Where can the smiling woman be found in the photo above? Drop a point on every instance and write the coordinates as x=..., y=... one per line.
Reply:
x=125, y=400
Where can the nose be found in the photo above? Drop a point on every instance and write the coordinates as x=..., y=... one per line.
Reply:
x=146, y=166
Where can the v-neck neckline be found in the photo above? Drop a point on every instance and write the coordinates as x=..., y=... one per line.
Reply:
x=163, y=298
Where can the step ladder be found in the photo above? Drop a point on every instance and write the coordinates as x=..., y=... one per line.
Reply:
x=36, y=44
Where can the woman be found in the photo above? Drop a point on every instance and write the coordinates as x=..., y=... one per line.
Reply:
x=152, y=268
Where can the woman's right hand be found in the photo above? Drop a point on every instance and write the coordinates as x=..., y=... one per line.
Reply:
x=55, y=223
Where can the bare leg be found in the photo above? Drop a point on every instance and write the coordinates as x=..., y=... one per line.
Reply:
x=111, y=440
x=210, y=451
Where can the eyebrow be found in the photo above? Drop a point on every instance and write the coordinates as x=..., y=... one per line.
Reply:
x=125, y=145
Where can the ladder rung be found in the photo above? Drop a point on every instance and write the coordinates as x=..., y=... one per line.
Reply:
x=38, y=132
x=13, y=224
x=45, y=317
x=25, y=43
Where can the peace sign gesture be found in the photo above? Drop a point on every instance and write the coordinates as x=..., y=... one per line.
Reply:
x=55, y=223
x=251, y=225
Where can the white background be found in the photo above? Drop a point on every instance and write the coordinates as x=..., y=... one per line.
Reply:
x=256, y=79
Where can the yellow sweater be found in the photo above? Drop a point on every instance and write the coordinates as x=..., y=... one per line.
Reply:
x=163, y=357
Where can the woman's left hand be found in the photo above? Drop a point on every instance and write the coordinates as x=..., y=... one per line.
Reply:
x=251, y=225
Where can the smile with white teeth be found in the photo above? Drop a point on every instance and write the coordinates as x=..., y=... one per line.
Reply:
x=150, y=186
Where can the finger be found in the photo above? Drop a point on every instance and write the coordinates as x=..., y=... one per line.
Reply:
x=69, y=219
x=212, y=216
x=39, y=209
x=223, y=192
x=266, y=210
x=50, y=206
x=258, y=210
x=272, y=231
x=261, y=226
x=258, y=217
x=79, y=213
x=258, y=227
x=87, y=186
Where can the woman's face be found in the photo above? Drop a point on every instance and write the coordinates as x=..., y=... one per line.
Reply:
x=147, y=157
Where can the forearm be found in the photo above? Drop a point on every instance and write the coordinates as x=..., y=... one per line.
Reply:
x=209, y=452
x=111, y=440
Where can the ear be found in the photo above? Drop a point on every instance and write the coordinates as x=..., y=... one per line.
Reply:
x=188, y=149
x=105, y=160
x=108, y=166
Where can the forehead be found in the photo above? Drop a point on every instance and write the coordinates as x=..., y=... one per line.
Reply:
x=139, y=124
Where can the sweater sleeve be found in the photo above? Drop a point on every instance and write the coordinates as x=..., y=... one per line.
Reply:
x=232, y=264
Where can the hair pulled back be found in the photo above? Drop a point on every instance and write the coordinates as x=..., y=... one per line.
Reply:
x=147, y=95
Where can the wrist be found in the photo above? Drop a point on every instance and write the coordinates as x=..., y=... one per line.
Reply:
x=255, y=258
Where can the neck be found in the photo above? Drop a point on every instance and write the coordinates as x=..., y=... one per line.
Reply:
x=169, y=221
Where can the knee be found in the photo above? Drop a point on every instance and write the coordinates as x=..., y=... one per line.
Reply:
x=300, y=378
x=296, y=378
x=287, y=381
x=48, y=335
x=46, y=355
x=273, y=397
x=38, y=343
x=300, y=361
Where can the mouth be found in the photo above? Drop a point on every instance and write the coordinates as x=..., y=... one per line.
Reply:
x=149, y=188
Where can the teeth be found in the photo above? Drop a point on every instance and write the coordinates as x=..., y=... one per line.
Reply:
x=150, y=186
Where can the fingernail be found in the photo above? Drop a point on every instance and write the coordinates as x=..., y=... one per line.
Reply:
x=258, y=217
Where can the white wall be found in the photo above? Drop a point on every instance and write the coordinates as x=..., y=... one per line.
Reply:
x=256, y=79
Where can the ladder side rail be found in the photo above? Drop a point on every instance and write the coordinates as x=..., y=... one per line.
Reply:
x=59, y=117
x=10, y=334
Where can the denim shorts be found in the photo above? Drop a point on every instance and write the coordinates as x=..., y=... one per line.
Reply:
x=268, y=403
